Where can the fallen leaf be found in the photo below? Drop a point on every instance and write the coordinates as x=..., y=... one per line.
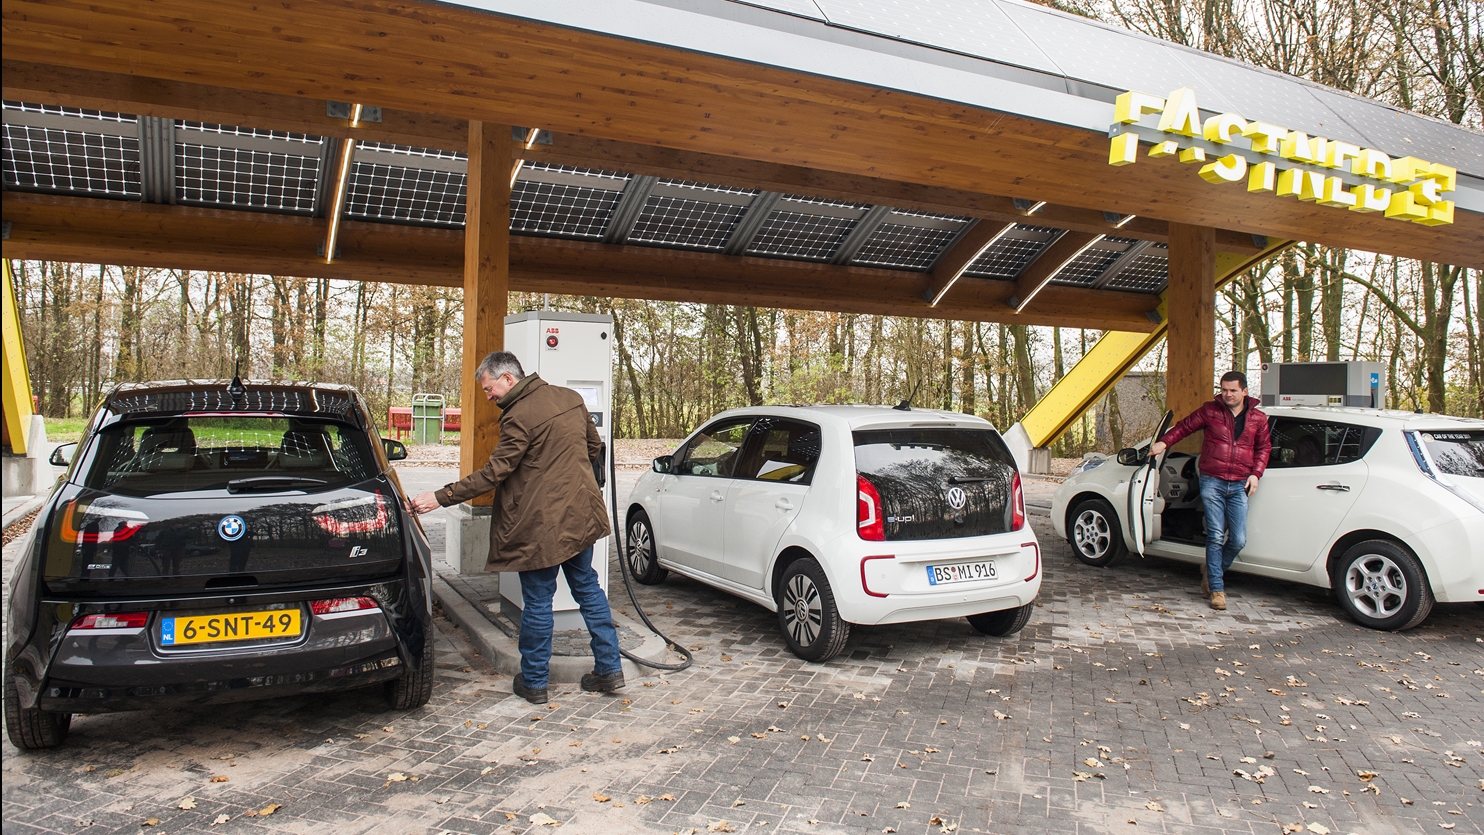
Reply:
x=734, y=739
x=600, y=797
x=1367, y=776
x=720, y=826
x=543, y=819
x=1154, y=806
x=904, y=805
x=1092, y=763
x=1318, y=829
x=999, y=715
x=1184, y=726
x=758, y=736
x=1249, y=759
x=220, y=778
x=186, y=803
x=221, y=819
x=395, y=777
x=643, y=800
x=270, y=809
x=1317, y=790
x=149, y=822
x=387, y=728
x=666, y=796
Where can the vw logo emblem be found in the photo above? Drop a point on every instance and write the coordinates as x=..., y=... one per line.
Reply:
x=957, y=498
x=231, y=528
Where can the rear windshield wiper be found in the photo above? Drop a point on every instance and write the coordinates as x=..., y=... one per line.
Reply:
x=968, y=479
x=272, y=482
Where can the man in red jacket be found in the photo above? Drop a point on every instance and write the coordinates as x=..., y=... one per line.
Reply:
x=1234, y=455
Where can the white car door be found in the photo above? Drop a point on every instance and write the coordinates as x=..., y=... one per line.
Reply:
x=1313, y=478
x=692, y=519
x=1144, y=503
x=767, y=493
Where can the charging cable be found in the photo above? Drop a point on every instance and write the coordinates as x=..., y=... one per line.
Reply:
x=620, y=543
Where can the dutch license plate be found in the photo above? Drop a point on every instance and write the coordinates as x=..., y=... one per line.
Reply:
x=964, y=572
x=238, y=626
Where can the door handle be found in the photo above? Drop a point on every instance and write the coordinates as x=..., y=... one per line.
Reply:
x=716, y=496
x=1339, y=488
x=784, y=504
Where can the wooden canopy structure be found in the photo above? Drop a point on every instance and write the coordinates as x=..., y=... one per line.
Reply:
x=823, y=155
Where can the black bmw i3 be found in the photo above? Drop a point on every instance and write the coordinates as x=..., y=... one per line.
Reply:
x=215, y=542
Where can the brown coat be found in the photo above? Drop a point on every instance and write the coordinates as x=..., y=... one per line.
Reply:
x=547, y=506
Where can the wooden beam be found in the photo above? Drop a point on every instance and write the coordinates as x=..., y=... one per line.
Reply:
x=486, y=285
x=183, y=237
x=951, y=264
x=1191, y=306
x=1034, y=278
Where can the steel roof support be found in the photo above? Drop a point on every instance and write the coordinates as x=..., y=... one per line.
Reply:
x=1120, y=264
x=862, y=232
x=156, y=159
x=626, y=213
x=746, y=229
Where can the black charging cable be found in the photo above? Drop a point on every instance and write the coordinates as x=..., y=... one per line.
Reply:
x=628, y=580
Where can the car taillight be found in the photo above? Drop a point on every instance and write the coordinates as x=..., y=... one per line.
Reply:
x=99, y=525
x=130, y=620
x=341, y=604
x=352, y=516
x=1036, y=568
x=1017, y=504
x=868, y=510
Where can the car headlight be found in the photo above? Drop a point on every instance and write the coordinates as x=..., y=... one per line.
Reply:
x=1087, y=466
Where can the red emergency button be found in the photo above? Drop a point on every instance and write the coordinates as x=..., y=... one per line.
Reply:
x=551, y=341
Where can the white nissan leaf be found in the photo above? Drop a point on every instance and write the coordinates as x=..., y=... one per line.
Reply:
x=1384, y=507
x=840, y=515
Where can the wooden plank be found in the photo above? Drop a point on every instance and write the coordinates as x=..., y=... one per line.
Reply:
x=951, y=264
x=186, y=237
x=486, y=286
x=1191, y=306
x=464, y=63
x=1033, y=279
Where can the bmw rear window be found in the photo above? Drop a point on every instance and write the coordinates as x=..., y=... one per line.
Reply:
x=1456, y=453
x=938, y=482
x=185, y=454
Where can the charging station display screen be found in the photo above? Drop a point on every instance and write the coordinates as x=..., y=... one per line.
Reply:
x=1313, y=378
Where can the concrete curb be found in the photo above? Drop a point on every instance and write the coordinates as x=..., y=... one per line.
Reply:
x=501, y=650
x=20, y=512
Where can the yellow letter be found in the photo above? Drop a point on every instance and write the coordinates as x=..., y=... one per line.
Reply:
x=1447, y=176
x=1438, y=215
x=1339, y=152
x=1305, y=185
x=1124, y=149
x=1298, y=146
x=1425, y=192
x=1181, y=114
x=1335, y=193
x=1220, y=128
x=1407, y=169
x=1265, y=137
x=1228, y=169
x=1164, y=149
x=1262, y=177
x=1368, y=198
x=1404, y=207
x=1373, y=164
x=1193, y=155
x=1128, y=107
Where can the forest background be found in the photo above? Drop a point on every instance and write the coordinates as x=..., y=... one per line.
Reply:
x=88, y=326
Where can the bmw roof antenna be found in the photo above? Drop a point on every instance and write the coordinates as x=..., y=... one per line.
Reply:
x=906, y=405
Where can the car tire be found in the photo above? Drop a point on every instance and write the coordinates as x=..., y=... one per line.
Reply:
x=32, y=729
x=1095, y=534
x=807, y=614
x=1381, y=585
x=641, y=553
x=1004, y=622
x=415, y=686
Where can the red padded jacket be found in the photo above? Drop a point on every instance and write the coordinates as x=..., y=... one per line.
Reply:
x=1223, y=456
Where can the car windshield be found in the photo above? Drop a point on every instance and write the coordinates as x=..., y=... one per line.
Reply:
x=237, y=453
x=1457, y=453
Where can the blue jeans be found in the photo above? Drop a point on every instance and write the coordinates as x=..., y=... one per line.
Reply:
x=1226, y=525
x=536, y=590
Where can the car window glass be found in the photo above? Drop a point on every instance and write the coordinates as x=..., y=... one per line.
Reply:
x=1456, y=453
x=714, y=451
x=781, y=450
x=1302, y=442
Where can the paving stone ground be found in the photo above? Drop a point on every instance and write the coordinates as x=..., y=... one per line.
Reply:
x=1126, y=706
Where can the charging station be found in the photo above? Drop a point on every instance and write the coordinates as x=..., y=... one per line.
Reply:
x=574, y=350
x=1324, y=384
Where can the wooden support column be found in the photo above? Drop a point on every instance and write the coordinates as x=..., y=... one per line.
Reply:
x=1191, y=336
x=486, y=285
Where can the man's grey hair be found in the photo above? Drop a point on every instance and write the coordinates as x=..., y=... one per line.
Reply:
x=498, y=363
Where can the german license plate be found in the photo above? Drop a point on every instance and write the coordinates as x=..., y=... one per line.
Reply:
x=238, y=626
x=963, y=572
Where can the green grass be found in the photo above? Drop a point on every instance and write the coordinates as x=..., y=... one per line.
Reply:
x=65, y=429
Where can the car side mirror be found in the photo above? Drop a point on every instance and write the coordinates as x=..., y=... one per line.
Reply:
x=62, y=455
x=1130, y=457
x=662, y=464
x=395, y=450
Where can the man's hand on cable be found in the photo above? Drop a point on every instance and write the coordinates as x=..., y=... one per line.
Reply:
x=424, y=502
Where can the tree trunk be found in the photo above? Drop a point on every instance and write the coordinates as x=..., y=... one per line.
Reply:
x=127, y=365
x=967, y=396
x=1332, y=300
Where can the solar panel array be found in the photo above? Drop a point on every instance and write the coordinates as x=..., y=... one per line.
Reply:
x=99, y=154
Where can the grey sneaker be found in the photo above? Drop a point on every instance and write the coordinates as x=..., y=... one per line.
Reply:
x=534, y=695
x=606, y=683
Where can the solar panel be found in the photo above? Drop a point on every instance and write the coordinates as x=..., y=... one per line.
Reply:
x=676, y=221
x=71, y=161
x=236, y=177
x=1085, y=268
x=75, y=112
x=1147, y=274
x=561, y=210
x=235, y=130
x=899, y=246
x=797, y=235
x=708, y=187
x=376, y=191
x=584, y=172
x=411, y=151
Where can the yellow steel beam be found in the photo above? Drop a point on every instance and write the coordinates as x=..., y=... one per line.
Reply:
x=17, y=383
x=1113, y=355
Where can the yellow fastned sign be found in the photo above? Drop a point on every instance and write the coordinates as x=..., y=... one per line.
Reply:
x=1311, y=168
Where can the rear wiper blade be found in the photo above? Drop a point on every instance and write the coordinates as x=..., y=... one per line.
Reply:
x=272, y=482
x=968, y=479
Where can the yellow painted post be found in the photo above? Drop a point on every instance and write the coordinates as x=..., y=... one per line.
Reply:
x=17, y=383
x=1112, y=356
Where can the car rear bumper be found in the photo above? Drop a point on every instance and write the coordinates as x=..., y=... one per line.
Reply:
x=891, y=585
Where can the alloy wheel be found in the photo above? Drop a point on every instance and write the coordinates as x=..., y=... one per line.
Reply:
x=1091, y=534
x=641, y=547
x=803, y=615
x=1376, y=586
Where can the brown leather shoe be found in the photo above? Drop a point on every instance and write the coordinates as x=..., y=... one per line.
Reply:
x=534, y=695
x=1218, y=600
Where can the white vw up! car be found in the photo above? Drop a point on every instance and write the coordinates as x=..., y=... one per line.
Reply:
x=833, y=515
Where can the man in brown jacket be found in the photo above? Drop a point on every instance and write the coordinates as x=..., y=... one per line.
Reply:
x=548, y=513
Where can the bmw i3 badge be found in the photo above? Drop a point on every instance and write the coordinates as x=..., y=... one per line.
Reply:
x=231, y=528
x=957, y=498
